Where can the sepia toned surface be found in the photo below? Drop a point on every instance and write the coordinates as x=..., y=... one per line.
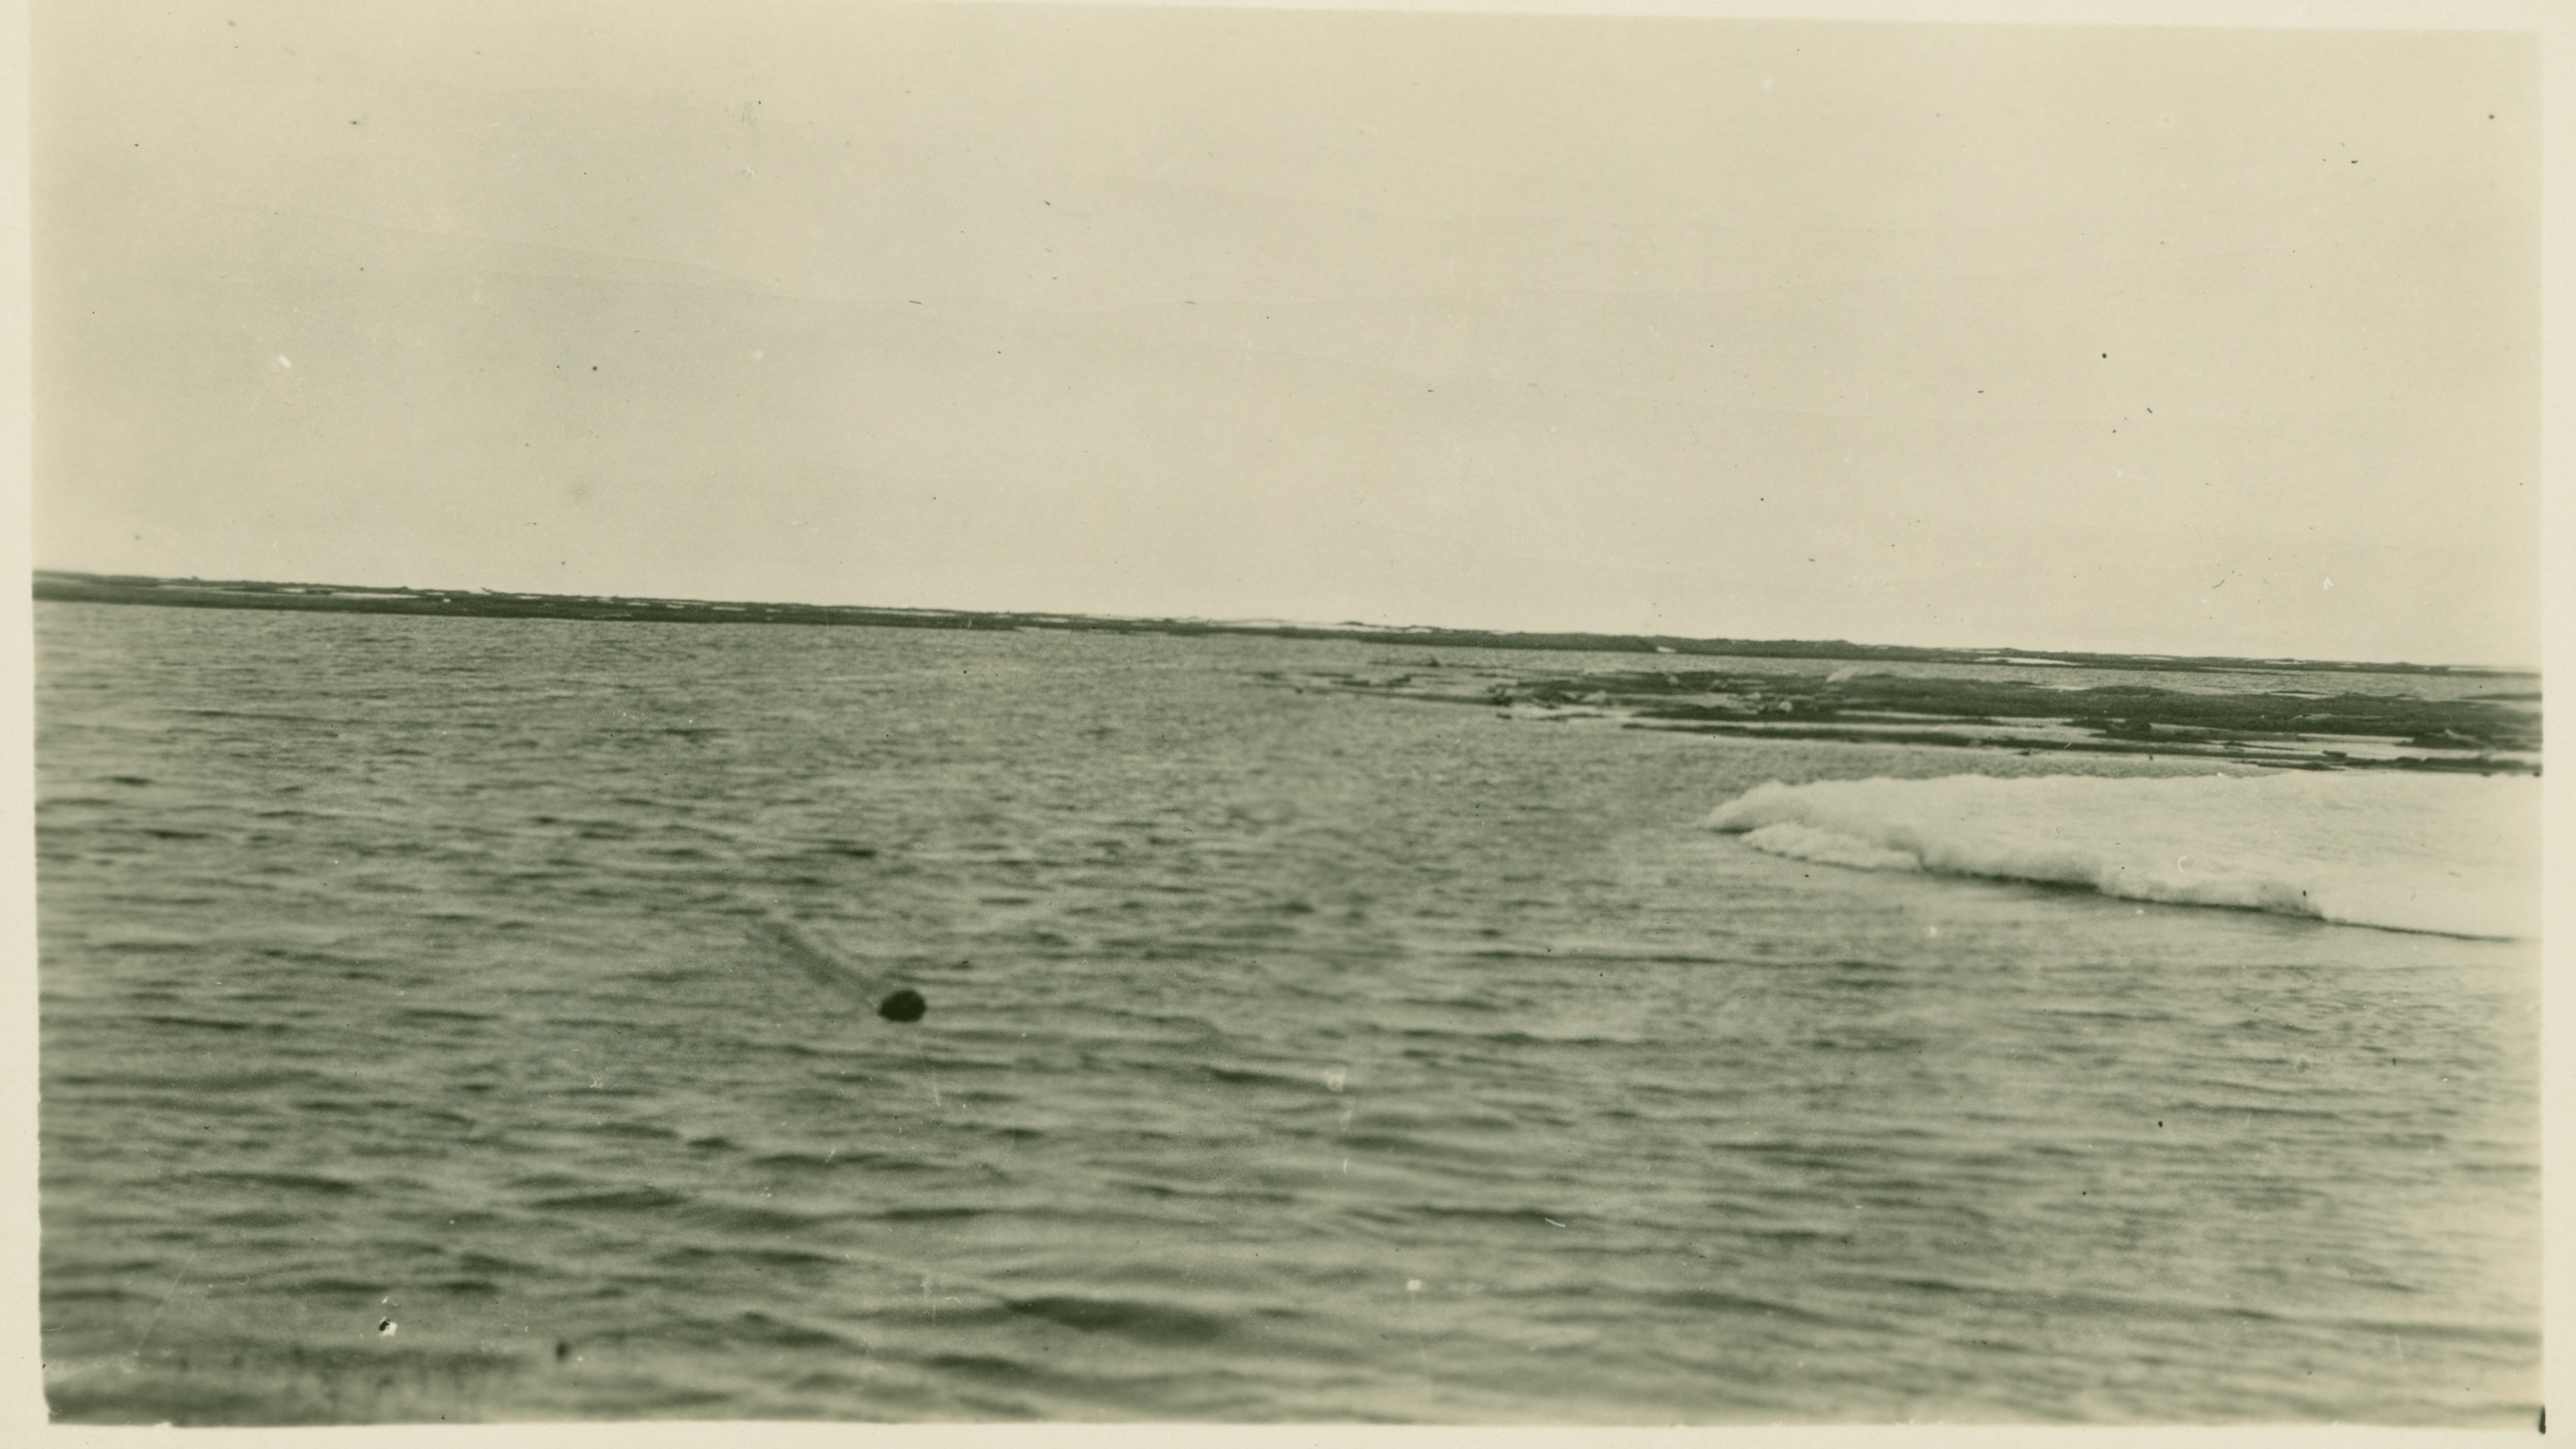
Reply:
x=499, y=1017
x=1288, y=1056
x=2130, y=338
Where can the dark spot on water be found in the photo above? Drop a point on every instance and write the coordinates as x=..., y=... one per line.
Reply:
x=563, y=1350
x=904, y=1005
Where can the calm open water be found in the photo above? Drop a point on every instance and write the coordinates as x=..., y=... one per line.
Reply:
x=412, y=1050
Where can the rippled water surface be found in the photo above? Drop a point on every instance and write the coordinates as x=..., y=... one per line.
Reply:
x=416, y=1045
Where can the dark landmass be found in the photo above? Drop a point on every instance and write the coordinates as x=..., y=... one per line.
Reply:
x=484, y=603
x=2495, y=733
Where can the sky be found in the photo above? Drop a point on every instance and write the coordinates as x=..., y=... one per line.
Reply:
x=2170, y=339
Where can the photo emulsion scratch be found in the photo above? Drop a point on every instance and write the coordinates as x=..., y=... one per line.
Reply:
x=958, y=712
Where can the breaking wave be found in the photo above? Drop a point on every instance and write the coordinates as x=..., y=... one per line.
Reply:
x=2452, y=854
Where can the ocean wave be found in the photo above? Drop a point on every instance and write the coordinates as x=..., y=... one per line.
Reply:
x=1134, y=1318
x=2457, y=855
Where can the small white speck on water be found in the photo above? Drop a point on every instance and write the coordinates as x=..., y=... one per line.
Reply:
x=1412, y=1285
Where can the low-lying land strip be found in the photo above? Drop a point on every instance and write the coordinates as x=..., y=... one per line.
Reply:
x=486, y=603
x=2496, y=733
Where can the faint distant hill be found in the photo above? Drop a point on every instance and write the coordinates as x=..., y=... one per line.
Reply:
x=485, y=603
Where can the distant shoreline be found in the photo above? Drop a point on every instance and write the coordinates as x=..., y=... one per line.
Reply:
x=2309, y=729
x=68, y=587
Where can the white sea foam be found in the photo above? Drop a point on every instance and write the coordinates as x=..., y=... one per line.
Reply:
x=2448, y=853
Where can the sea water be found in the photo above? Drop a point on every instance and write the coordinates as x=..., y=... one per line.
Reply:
x=426, y=1035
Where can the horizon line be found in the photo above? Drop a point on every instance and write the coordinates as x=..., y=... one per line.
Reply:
x=343, y=598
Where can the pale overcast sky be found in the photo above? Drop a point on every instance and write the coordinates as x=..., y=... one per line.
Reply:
x=2179, y=340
